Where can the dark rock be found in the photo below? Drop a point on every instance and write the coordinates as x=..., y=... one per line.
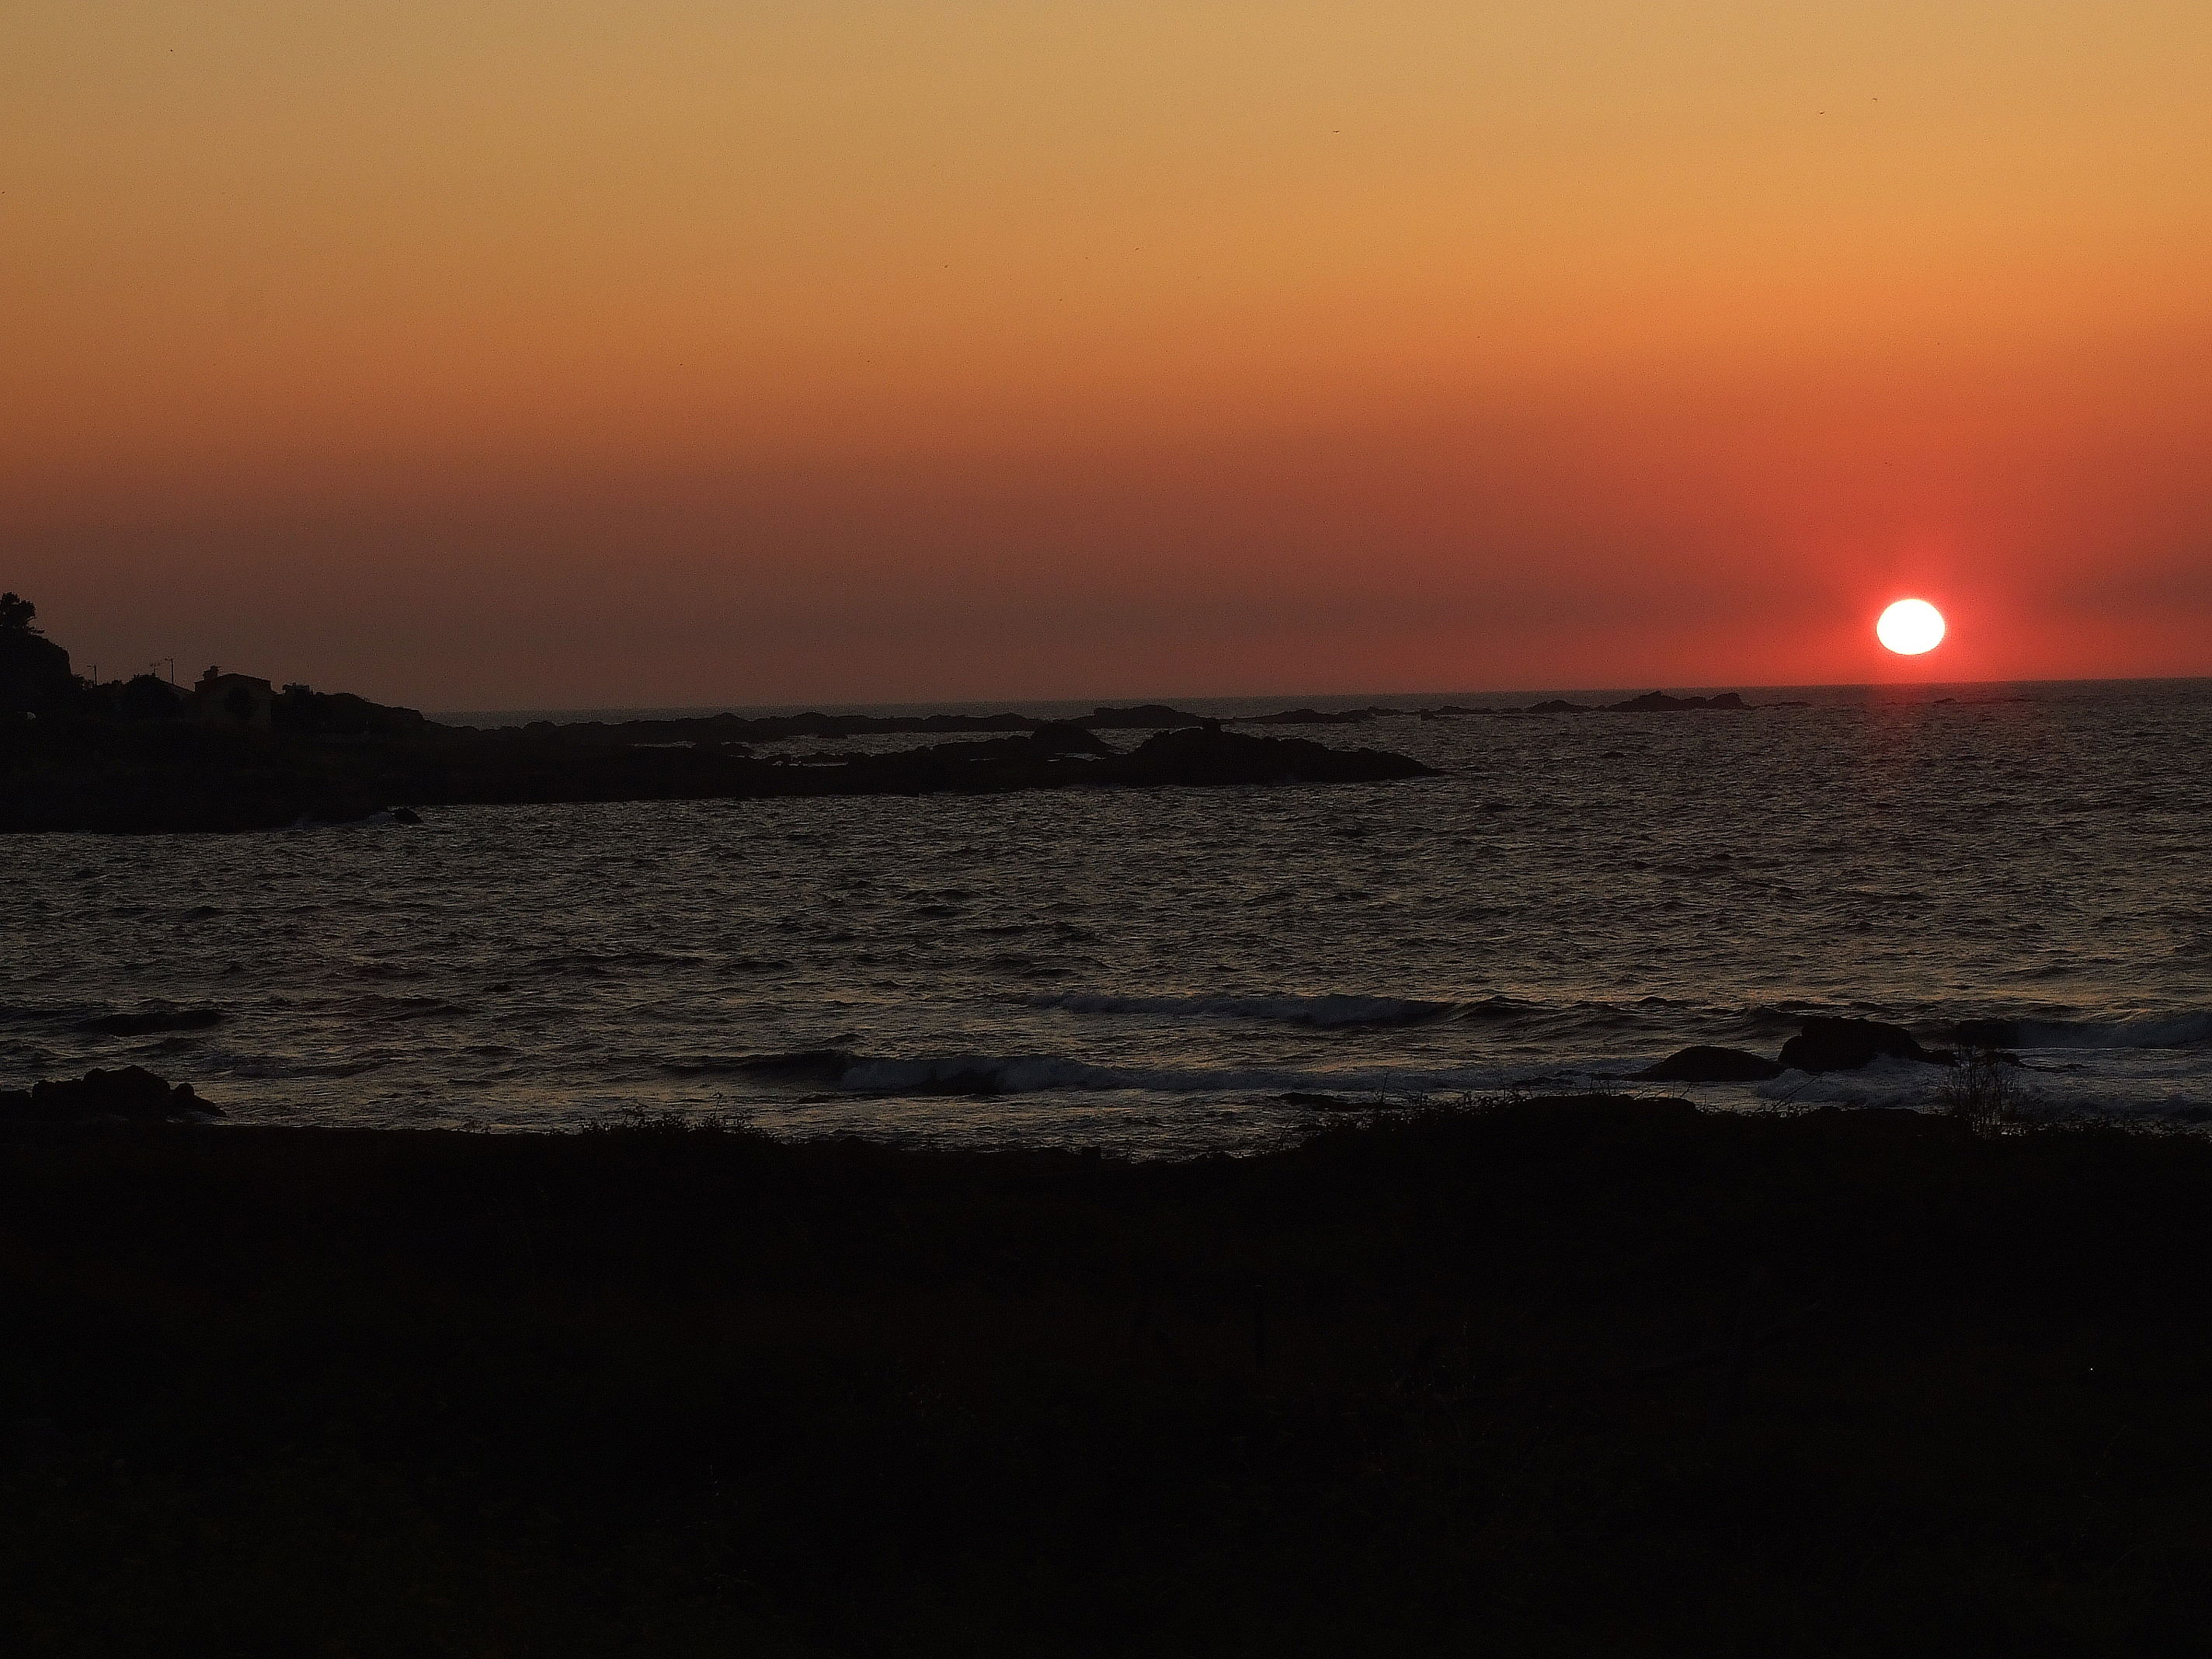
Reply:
x=131, y=1092
x=124, y=761
x=1704, y=1064
x=1556, y=706
x=1145, y=716
x=1985, y=1034
x=1208, y=755
x=154, y=1017
x=1845, y=1045
x=1658, y=702
x=1068, y=737
x=1312, y=717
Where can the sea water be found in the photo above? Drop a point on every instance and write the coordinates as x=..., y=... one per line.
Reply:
x=1153, y=970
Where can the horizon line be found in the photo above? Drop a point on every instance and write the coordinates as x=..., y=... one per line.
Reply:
x=1130, y=700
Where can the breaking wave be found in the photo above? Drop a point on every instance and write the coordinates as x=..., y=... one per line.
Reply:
x=2186, y=1030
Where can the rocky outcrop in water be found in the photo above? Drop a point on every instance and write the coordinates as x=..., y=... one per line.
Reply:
x=175, y=775
x=1658, y=702
x=1316, y=717
x=131, y=1093
x=126, y=759
x=1208, y=755
x=1704, y=1064
x=1823, y=1043
x=1845, y=1045
x=1145, y=717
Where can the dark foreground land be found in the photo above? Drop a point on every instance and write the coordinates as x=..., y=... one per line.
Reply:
x=1566, y=1378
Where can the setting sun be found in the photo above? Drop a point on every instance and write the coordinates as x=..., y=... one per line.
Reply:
x=1911, y=627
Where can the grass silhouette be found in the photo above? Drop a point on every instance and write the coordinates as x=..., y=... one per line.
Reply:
x=1540, y=1377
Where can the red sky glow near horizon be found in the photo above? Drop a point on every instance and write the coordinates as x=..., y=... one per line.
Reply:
x=491, y=355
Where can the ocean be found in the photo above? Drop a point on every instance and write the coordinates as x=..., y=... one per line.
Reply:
x=1152, y=972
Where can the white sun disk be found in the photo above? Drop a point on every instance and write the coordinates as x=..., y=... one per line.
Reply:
x=1911, y=627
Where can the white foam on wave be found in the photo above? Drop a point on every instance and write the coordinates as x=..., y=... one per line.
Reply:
x=1884, y=1082
x=2140, y=1088
x=2185, y=1030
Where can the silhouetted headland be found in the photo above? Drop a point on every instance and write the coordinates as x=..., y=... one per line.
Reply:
x=235, y=753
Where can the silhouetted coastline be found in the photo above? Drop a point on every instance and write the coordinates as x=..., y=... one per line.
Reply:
x=234, y=752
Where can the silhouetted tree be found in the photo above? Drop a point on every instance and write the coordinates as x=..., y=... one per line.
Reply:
x=16, y=614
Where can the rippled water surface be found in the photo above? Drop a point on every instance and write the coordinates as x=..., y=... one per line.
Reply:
x=1152, y=970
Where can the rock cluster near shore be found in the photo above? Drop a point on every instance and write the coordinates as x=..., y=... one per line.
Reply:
x=130, y=1093
x=1823, y=1043
x=1704, y=1064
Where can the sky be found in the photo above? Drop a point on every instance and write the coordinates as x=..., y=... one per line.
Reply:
x=480, y=354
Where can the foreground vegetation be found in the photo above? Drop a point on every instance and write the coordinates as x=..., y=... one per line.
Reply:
x=1559, y=1377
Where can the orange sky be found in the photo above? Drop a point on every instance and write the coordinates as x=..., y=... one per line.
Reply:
x=477, y=354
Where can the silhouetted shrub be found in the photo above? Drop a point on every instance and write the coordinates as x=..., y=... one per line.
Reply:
x=1986, y=1092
